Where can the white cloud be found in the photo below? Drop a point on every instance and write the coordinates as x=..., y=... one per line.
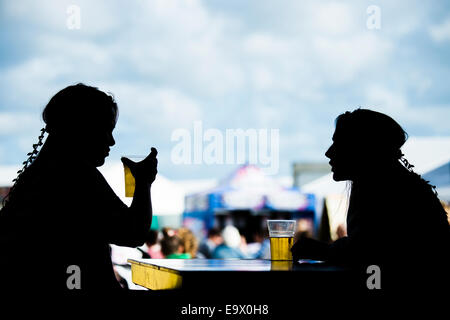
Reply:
x=396, y=104
x=420, y=82
x=146, y=105
x=385, y=99
x=440, y=32
x=334, y=18
x=259, y=44
x=12, y=123
x=342, y=59
x=7, y=174
x=97, y=17
x=43, y=14
x=172, y=62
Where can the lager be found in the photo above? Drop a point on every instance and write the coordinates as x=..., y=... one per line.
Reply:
x=129, y=182
x=280, y=248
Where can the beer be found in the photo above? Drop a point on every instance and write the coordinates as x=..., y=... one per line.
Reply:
x=129, y=182
x=281, y=265
x=280, y=248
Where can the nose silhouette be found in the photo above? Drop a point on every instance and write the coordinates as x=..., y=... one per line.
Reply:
x=329, y=152
x=111, y=141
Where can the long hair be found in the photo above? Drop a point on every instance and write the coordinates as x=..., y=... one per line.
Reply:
x=72, y=108
x=189, y=241
x=384, y=135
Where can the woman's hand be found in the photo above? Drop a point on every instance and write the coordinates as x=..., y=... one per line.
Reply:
x=145, y=170
x=307, y=248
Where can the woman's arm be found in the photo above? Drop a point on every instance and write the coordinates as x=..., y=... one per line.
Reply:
x=308, y=248
x=140, y=211
x=133, y=224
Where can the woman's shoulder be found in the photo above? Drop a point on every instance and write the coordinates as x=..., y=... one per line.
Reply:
x=65, y=180
x=75, y=172
x=401, y=190
x=420, y=197
x=415, y=186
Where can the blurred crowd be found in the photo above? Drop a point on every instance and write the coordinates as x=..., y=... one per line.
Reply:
x=181, y=243
x=218, y=243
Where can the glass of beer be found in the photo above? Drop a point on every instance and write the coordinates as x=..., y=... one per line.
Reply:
x=130, y=183
x=281, y=233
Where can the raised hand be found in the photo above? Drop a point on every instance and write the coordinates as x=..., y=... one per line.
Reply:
x=145, y=170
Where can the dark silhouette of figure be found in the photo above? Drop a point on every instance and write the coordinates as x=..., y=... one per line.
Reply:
x=61, y=212
x=394, y=219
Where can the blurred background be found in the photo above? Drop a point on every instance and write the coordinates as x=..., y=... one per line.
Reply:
x=287, y=65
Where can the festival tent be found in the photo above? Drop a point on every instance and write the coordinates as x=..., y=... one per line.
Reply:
x=248, y=188
x=440, y=178
x=431, y=157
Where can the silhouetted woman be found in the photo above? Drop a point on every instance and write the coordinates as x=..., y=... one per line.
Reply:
x=394, y=219
x=61, y=212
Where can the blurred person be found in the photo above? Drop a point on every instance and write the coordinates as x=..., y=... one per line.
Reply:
x=168, y=232
x=243, y=245
x=189, y=241
x=394, y=219
x=172, y=247
x=62, y=204
x=207, y=246
x=446, y=206
x=305, y=227
x=260, y=248
x=153, y=245
x=230, y=248
x=340, y=231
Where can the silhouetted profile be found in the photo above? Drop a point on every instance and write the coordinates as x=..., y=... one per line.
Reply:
x=61, y=212
x=394, y=219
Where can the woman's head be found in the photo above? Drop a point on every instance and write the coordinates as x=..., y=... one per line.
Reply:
x=82, y=117
x=364, y=140
x=79, y=118
x=231, y=236
x=171, y=244
x=189, y=241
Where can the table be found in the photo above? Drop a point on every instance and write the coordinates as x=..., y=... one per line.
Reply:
x=222, y=274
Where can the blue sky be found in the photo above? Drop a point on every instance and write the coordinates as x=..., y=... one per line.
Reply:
x=288, y=65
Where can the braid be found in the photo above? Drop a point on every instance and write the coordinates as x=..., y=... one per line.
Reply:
x=406, y=163
x=409, y=167
x=31, y=157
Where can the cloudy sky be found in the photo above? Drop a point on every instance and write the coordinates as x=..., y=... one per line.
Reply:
x=257, y=64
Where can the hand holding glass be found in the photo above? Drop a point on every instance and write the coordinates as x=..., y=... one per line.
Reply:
x=145, y=168
x=130, y=182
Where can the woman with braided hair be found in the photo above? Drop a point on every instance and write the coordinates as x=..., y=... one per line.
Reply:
x=61, y=212
x=394, y=219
